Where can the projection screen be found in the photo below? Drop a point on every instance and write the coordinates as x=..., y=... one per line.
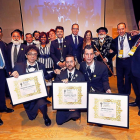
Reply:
x=43, y=15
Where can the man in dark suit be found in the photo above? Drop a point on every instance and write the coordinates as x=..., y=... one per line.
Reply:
x=15, y=50
x=59, y=49
x=95, y=72
x=29, y=39
x=135, y=68
x=3, y=65
x=31, y=65
x=122, y=46
x=74, y=75
x=76, y=42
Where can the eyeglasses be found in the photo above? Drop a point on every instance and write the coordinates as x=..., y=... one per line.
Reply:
x=75, y=28
x=32, y=54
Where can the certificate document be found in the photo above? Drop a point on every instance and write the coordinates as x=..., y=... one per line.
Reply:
x=71, y=95
x=27, y=87
x=108, y=109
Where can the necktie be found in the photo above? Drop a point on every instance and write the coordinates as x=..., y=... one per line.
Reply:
x=89, y=70
x=61, y=43
x=32, y=66
x=121, y=43
x=15, y=54
x=1, y=61
x=70, y=76
x=75, y=42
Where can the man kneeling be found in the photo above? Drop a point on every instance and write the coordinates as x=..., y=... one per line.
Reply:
x=74, y=75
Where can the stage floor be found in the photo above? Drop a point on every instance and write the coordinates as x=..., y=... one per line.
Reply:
x=17, y=126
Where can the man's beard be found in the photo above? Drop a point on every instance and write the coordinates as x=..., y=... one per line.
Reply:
x=17, y=42
x=101, y=36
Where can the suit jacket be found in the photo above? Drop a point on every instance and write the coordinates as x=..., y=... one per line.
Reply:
x=3, y=50
x=21, y=69
x=76, y=51
x=55, y=51
x=131, y=41
x=135, y=63
x=99, y=81
x=78, y=76
x=21, y=54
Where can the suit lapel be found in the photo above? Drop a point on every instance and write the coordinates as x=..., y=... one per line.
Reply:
x=71, y=40
x=57, y=44
x=20, y=51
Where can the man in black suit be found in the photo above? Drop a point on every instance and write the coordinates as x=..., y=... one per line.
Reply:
x=3, y=65
x=31, y=65
x=1, y=35
x=15, y=50
x=59, y=49
x=29, y=39
x=95, y=72
x=122, y=46
x=135, y=68
x=76, y=42
x=74, y=75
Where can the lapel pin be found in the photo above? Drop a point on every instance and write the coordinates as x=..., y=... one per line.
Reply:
x=22, y=49
x=76, y=75
x=129, y=38
x=64, y=45
x=94, y=75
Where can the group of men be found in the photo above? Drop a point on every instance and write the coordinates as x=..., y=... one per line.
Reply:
x=17, y=58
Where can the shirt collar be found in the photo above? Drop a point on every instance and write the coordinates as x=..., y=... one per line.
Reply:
x=59, y=40
x=72, y=72
x=92, y=66
x=74, y=35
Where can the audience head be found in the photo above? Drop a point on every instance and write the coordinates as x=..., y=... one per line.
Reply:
x=121, y=28
x=16, y=37
x=29, y=38
x=59, y=31
x=36, y=35
x=70, y=62
x=75, y=29
x=102, y=31
x=51, y=34
x=31, y=53
x=43, y=38
x=88, y=54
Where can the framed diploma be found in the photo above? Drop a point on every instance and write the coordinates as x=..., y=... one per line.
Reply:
x=71, y=95
x=108, y=109
x=27, y=87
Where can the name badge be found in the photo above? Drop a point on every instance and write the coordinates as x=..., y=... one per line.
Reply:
x=132, y=51
x=120, y=55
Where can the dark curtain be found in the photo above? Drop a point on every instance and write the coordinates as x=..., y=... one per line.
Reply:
x=136, y=6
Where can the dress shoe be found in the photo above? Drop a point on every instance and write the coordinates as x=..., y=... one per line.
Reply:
x=1, y=122
x=139, y=112
x=7, y=110
x=133, y=104
x=48, y=102
x=47, y=121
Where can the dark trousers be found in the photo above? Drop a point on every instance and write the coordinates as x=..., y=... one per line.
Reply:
x=136, y=87
x=2, y=89
x=123, y=68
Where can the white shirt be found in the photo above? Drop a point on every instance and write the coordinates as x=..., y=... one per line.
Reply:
x=73, y=37
x=72, y=73
x=29, y=44
x=59, y=40
x=101, y=40
x=12, y=53
x=92, y=67
x=31, y=69
x=126, y=47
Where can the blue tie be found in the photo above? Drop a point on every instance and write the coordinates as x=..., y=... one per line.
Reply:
x=75, y=42
x=1, y=61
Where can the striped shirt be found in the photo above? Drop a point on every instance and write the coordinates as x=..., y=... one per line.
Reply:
x=45, y=57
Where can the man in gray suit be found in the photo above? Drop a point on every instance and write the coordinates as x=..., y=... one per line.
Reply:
x=74, y=75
